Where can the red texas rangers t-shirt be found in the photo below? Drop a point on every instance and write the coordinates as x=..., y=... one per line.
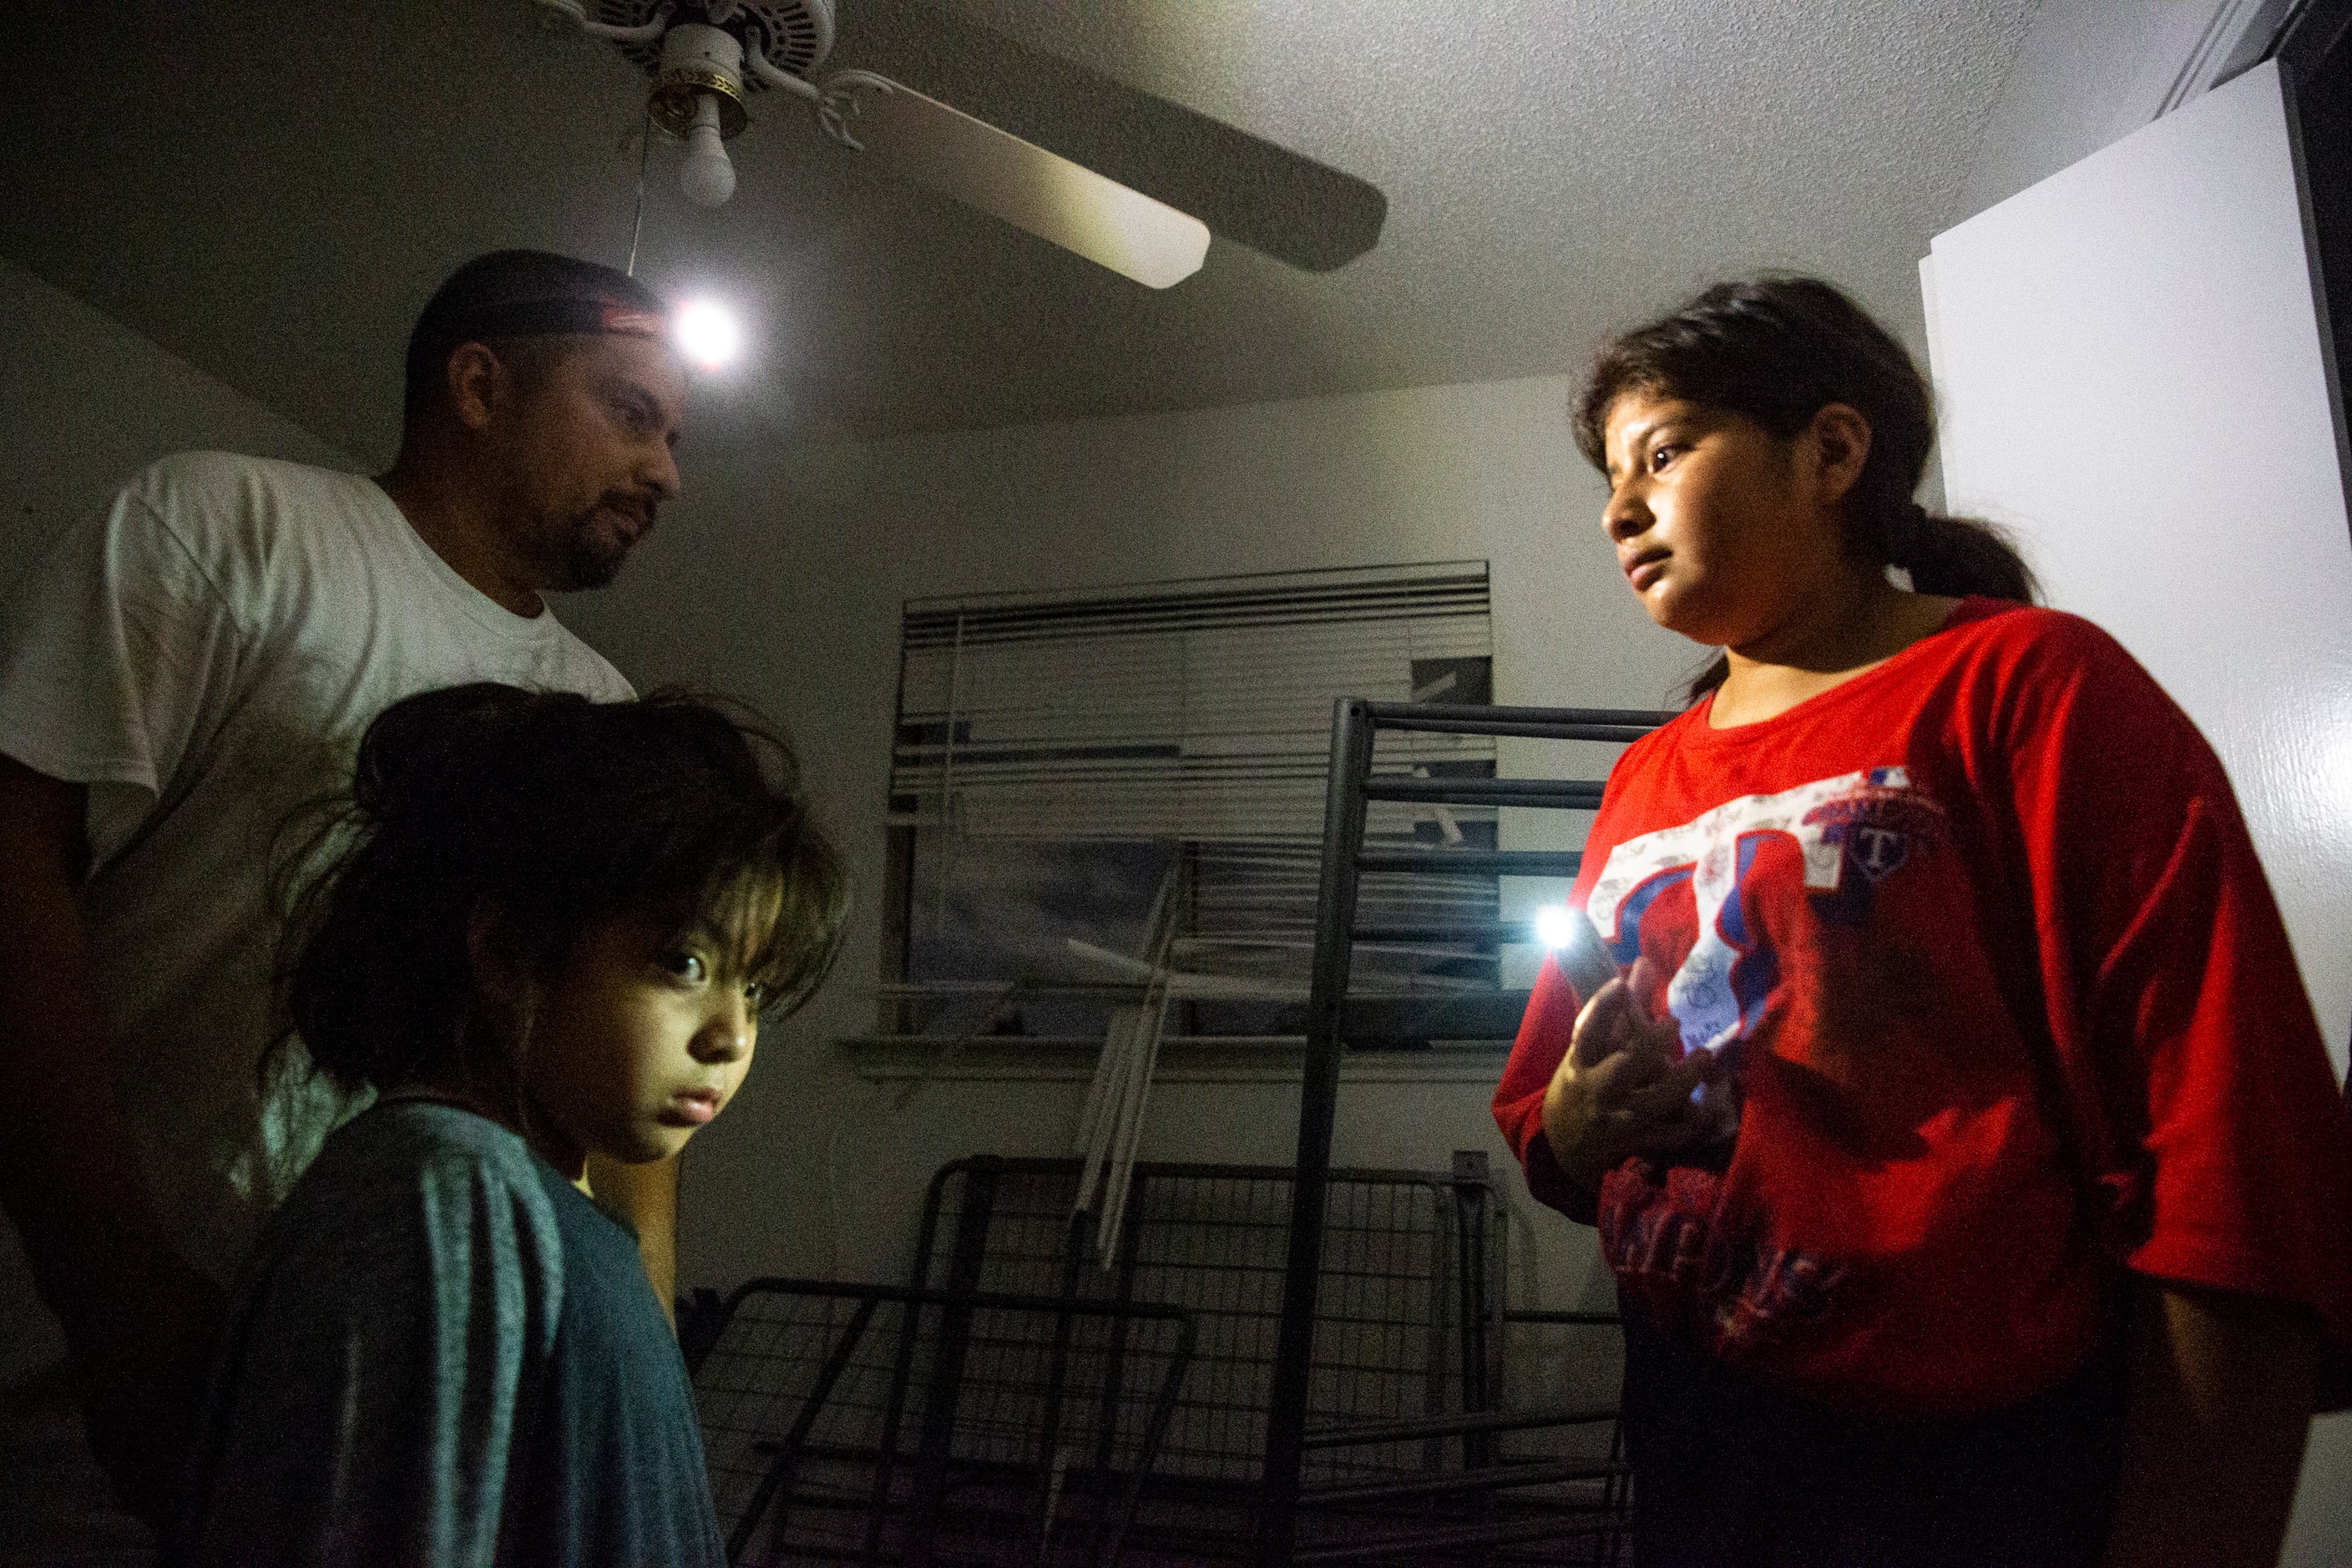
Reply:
x=2006, y=1001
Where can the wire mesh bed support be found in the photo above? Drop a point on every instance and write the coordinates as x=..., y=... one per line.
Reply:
x=838, y=1432
x=1352, y=786
x=1038, y=1420
x=1409, y=1460
x=1415, y=1266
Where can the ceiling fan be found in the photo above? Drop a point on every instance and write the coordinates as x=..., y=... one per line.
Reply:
x=1155, y=181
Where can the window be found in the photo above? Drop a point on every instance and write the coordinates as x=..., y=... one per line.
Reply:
x=1084, y=788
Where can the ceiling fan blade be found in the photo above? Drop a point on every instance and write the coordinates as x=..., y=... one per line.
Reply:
x=1020, y=182
x=1245, y=188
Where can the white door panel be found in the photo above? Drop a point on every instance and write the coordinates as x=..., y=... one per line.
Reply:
x=2129, y=361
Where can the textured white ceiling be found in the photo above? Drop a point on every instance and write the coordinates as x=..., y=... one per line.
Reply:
x=271, y=190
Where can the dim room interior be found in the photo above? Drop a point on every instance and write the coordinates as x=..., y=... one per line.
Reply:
x=955, y=475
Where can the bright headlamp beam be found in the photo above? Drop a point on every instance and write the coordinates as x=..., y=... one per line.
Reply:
x=706, y=334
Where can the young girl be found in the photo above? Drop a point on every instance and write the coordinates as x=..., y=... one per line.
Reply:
x=554, y=931
x=1957, y=1128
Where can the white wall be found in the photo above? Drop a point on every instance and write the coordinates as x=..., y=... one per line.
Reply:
x=784, y=583
x=84, y=401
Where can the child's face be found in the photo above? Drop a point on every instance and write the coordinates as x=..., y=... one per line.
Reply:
x=639, y=1038
x=1718, y=528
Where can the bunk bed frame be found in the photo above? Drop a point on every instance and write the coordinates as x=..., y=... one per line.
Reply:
x=1356, y=725
x=1280, y=1364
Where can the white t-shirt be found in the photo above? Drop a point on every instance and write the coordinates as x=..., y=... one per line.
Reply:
x=205, y=655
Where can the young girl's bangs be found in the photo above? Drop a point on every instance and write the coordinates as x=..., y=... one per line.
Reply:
x=775, y=912
x=779, y=921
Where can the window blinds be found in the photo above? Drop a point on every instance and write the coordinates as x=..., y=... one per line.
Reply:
x=1198, y=713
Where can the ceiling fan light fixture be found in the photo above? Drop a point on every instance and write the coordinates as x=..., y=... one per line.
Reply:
x=705, y=175
x=701, y=64
x=707, y=55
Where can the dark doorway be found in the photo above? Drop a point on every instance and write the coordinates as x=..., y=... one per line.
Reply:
x=2314, y=56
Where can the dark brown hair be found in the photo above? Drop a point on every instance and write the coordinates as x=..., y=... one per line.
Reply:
x=493, y=299
x=1778, y=350
x=556, y=815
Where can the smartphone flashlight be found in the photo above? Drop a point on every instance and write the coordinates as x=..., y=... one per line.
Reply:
x=1582, y=955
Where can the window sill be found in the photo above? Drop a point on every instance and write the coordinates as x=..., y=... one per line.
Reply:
x=1271, y=1058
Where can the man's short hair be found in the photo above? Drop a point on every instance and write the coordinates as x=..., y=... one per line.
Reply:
x=519, y=294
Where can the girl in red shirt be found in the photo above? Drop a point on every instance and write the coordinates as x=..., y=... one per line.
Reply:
x=1975, y=1177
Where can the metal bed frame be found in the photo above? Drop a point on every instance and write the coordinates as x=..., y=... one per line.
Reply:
x=1414, y=1272
x=1278, y=1365
x=985, y=1428
x=1355, y=726
x=1029, y=1406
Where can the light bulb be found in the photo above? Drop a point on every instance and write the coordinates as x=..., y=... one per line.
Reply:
x=706, y=176
x=706, y=334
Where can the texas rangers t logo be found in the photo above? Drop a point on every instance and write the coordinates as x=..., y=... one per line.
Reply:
x=1872, y=818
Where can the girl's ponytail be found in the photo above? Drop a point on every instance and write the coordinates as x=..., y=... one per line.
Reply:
x=1959, y=556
